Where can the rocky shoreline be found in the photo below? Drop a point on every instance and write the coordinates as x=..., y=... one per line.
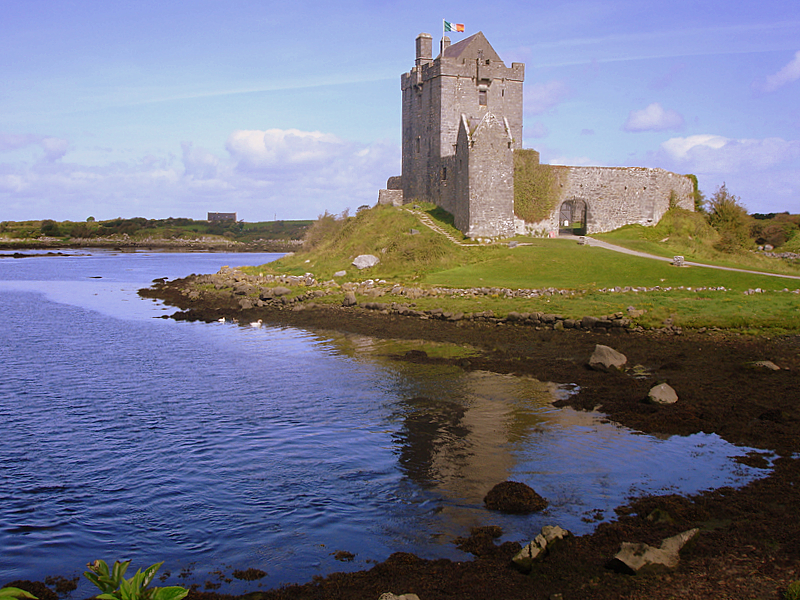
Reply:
x=747, y=543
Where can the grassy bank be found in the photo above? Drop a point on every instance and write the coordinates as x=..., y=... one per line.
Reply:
x=601, y=281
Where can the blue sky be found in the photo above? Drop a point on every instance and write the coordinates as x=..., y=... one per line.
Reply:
x=287, y=109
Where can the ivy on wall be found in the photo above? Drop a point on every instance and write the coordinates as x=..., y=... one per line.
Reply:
x=536, y=186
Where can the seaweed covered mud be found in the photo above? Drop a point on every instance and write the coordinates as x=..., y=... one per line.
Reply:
x=744, y=388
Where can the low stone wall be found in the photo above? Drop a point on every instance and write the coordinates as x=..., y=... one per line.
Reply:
x=391, y=197
x=617, y=196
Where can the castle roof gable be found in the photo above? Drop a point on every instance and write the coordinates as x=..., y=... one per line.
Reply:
x=470, y=48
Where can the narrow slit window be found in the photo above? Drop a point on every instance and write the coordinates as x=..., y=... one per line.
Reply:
x=482, y=97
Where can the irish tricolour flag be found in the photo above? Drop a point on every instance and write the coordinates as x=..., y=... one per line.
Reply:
x=448, y=26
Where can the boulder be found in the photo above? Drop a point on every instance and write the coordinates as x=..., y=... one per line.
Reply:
x=390, y=596
x=349, y=299
x=662, y=394
x=641, y=558
x=764, y=364
x=534, y=551
x=605, y=359
x=537, y=548
x=514, y=497
x=588, y=322
x=554, y=533
x=364, y=261
x=340, y=273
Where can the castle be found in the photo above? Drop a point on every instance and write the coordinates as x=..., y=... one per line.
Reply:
x=462, y=137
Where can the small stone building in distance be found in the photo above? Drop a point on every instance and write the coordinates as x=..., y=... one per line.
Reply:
x=462, y=125
x=214, y=217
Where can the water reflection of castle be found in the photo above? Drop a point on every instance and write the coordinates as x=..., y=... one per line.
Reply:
x=461, y=446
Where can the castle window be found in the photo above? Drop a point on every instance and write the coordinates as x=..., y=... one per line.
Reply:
x=417, y=143
x=444, y=173
x=482, y=97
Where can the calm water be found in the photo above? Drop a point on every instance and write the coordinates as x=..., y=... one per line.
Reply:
x=221, y=447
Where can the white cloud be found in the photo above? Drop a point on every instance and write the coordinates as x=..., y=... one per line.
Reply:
x=54, y=148
x=717, y=154
x=14, y=141
x=541, y=97
x=764, y=172
x=788, y=74
x=11, y=183
x=653, y=118
x=199, y=163
x=279, y=147
x=679, y=148
x=291, y=174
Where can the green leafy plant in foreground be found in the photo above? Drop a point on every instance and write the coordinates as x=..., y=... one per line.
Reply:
x=115, y=587
x=793, y=591
x=7, y=593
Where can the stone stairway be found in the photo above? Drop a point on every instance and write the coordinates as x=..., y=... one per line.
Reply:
x=426, y=220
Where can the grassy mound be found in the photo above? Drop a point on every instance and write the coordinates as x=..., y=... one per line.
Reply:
x=407, y=249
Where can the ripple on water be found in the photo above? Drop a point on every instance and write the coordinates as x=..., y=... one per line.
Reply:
x=272, y=448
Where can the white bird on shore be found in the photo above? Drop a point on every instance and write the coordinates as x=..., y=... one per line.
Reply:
x=256, y=324
x=221, y=320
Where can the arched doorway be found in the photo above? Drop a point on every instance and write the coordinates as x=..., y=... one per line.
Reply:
x=572, y=218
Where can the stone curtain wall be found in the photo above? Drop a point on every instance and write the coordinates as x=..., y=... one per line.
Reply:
x=617, y=196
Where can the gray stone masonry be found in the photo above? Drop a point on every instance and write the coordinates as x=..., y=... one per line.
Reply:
x=468, y=79
x=462, y=122
x=391, y=197
x=485, y=192
x=616, y=196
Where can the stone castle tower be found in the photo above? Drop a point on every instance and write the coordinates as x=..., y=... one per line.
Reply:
x=462, y=121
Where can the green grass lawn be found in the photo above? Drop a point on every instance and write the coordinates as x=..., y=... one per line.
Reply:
x=428, y=260
x=565, y=264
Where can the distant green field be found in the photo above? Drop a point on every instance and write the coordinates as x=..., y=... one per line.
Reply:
x=142, y=228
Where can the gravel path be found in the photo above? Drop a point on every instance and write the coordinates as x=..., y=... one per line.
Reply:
x=607, y=246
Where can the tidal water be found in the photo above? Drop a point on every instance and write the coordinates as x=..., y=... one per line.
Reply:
x=217, y=447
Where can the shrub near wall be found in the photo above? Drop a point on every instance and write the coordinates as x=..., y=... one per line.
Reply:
x=536, y=187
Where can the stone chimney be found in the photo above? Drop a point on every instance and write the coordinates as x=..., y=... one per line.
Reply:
x=424, y=49
x=445, y=44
